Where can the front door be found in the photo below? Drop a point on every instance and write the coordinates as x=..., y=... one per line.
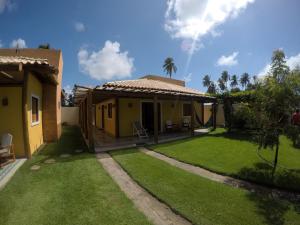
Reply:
x=148, y=116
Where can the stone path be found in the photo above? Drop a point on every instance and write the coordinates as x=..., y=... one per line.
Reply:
x=223, y=179
x=154, y=210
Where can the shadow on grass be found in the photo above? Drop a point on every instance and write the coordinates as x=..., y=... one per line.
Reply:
x=70, y=141
x=262, y=173
x=270, y=208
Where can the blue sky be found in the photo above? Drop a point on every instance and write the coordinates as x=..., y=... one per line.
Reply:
x=132, y=38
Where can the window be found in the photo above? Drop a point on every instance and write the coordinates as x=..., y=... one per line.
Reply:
x=109, y=111
x=187, y=110
x=34, y=110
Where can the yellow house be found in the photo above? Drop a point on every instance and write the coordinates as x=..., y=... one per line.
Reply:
x=30, y=109
x=154, y=101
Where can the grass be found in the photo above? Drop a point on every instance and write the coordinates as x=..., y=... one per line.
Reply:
x=203, y=201
x=235, y=155
x=72, y=191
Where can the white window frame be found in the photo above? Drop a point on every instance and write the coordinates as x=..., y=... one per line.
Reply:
x=38, y=107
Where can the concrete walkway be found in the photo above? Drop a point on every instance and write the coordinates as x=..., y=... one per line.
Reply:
x=154, y=210
x=237, y=183
x=8, y=171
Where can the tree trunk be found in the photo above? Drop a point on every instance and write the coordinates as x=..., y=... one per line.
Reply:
x=275, y=160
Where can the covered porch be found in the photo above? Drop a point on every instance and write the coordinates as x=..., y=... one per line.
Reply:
x=105, y=142
x=107, y=113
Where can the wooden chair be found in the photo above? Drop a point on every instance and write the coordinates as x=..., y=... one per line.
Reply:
x=139, y=130
x=169, y=125
x=7, y=154
x=186, y=123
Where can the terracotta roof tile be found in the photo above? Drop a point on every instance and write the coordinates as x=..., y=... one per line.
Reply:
x=13, y=60
x=148, y=84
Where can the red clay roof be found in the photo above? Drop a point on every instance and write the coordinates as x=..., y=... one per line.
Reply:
x=151, y=85
x=15, y=60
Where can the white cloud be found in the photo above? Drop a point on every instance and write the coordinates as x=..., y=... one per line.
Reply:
x=193, y=19
x=106, y=64
x=230, y=60
x=7, y=4
x=18, y=43
x=292, y=62
x=79, y=27
x=190, y=45
x=188, y=78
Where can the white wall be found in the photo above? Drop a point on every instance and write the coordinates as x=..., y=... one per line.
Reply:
x=70, y=115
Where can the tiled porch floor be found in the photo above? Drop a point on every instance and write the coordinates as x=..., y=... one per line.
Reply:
x=105, y=142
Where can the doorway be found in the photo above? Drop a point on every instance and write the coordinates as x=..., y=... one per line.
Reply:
x=148, y=116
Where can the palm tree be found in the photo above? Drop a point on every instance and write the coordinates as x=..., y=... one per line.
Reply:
x=169, y=66
x=234, y=81
x=212, y=89
x=222, y=84
x=245, y=80
x=206, y=81
x=225, y=78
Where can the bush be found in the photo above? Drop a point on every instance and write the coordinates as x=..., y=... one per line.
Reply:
x=293, y=132
x=244, y=117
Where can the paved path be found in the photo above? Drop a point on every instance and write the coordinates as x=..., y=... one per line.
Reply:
x=154, y=210
x=221, y=178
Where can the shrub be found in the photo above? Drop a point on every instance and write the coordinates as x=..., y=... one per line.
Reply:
x=244, y=117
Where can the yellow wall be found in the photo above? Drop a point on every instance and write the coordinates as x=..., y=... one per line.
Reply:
x=35, y=132
x=11, y=117
x=109, y=123
x=172, y=110
x=127, y=115
x=98, y=121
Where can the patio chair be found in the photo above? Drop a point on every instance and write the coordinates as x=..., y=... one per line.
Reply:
x=186, y=123
x=169, y=125
x=7, y=154
x=139, y=130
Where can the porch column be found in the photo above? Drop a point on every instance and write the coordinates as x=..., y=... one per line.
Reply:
x=155, y=111
x=90, y=120
x=192, y=117
x=202, y=113
x=214, y=115
x=117, y=132
x=24, y=115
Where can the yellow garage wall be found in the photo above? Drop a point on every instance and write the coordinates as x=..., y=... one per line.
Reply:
x=109, y=123
x=11, y=117
x=129, y=111
x=35, y=132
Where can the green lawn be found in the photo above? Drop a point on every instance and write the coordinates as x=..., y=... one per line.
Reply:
x=236, y=155
x=203, y=201
x=71, y=191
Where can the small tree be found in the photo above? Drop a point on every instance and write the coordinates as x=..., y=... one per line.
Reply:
x=276, y=97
